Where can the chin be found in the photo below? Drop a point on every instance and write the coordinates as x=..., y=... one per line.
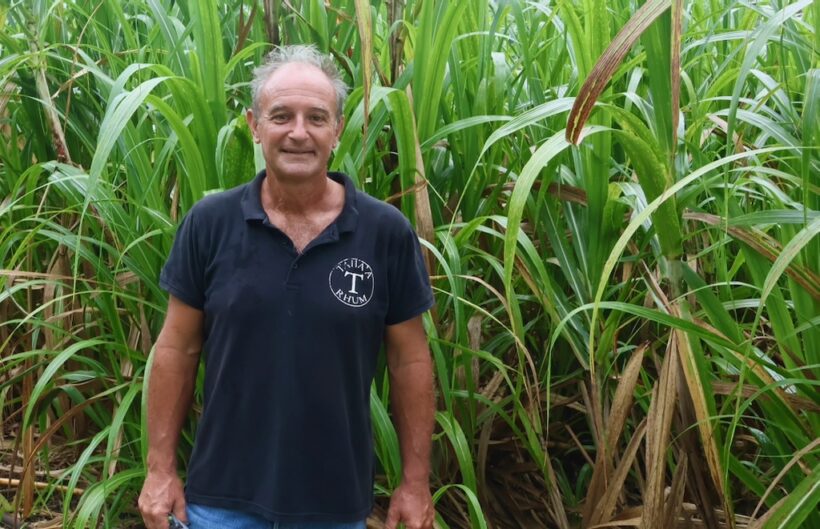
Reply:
x=298, y=173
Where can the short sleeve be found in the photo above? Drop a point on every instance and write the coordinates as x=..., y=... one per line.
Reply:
x=410, y=293
x=184, y=272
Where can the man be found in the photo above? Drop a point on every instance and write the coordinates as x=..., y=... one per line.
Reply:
x=290, y=284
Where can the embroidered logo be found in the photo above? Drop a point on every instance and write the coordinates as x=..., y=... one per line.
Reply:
x=351, y=281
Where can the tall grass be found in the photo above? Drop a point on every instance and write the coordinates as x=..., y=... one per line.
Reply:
x=624, y=251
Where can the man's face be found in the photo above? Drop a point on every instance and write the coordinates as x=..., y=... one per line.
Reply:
x=297, y=126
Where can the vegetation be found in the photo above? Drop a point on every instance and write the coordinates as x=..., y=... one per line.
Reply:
x=619, y=204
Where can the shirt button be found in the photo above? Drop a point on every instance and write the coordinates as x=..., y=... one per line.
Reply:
x=295, y=266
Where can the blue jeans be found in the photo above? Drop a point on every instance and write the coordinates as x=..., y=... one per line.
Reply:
x=204, y=517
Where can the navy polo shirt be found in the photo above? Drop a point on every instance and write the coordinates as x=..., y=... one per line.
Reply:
x=290, y=347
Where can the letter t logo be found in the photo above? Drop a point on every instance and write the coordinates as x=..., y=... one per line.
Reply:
x=353, y=283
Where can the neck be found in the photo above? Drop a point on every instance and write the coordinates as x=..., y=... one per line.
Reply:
x=295, y=197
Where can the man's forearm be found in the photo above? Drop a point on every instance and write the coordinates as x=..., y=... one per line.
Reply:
x=413, y=406
x=170, y=390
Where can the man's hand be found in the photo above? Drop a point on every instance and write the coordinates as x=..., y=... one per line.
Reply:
x=161, y=494
x=412, y=505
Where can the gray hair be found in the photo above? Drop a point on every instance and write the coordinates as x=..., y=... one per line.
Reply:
x=298, y=53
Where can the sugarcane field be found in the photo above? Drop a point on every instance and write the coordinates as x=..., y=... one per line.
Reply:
x=452, y=264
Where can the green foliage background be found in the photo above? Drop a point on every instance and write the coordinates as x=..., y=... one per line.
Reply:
x=626, y=329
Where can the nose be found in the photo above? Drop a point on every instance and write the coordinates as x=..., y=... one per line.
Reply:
x=298, y=131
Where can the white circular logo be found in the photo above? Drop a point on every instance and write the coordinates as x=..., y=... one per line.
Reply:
x=351, y=281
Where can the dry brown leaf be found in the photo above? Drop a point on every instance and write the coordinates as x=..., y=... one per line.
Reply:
x=694, y=390
x=749, y=390
x=608, y=63
x=765, y=246
x=659, y=421
x=674, y=500
x=622, y=402
x=606, y=506
x=619, y=410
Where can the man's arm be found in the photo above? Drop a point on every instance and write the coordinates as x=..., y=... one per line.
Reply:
x=413, y=406
x=170, y=389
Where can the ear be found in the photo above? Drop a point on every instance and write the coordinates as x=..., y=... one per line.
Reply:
x=340, y=126
x=249, y=117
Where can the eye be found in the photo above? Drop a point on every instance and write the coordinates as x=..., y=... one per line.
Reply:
x=279, y=117
x=318, y=118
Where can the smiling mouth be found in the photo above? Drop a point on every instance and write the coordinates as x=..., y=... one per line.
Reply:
x=291, y=151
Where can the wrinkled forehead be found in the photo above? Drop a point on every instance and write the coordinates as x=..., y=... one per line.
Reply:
x=298, y=81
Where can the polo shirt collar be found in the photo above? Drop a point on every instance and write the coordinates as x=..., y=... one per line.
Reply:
x=251, y=201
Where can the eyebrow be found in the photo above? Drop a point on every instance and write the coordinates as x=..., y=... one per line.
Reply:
x=279, y=108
